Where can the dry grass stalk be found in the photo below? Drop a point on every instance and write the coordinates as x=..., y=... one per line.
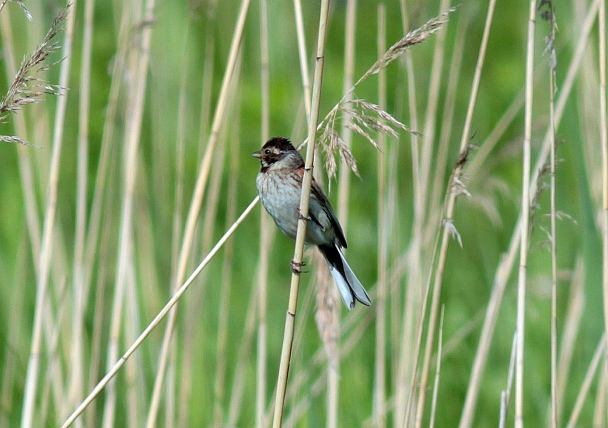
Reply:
x=301, y=231
x=379, y=396
x=159, y=317
x=266, y=229
x=604, y=141
x=546, y=11
x=507, y=263
x=42, y=280
x=589, y=377
x=525, y=216
x=447, y=221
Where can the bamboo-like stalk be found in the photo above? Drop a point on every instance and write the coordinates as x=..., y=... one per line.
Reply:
x=525, y=218
x=301, y=232
x=33, y=366
x=379, y=396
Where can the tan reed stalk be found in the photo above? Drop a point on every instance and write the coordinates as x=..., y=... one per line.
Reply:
x=379, y=395
x=507, y=262
x=589, y=377
x=599, y=417
x=205, y=108
x=525, y=218
x=303, y=56
x=447, y=122
x=414, y=289
x=333, y=362
x=550, y=49
x=301, y=231
x=80, y=287
x=138, y=70
x=431, y=116
x=10, y=369
x=572, y=323
x=28, y=188
x=171, y=418
x=204, y=170
x=421, y=159
x=96, y=235
x=437, y=370
x=224, y=308
x=207, y=83
x=177, y=218
x=604, y=140
x=455, y=188
x=159, y=317
x=505, y=397
x=266, y=229
x=238, y=382
x=33, y=366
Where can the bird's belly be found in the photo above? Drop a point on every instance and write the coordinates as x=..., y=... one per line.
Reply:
x=283, y=206
x=281, y=202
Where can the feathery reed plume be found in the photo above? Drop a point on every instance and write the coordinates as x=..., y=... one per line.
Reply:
x=365, y=116
x=27, y=87
x=20, y=3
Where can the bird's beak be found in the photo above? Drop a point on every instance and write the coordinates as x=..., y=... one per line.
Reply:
x=257, y=154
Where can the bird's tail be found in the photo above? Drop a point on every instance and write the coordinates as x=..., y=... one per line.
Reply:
x=346, y=280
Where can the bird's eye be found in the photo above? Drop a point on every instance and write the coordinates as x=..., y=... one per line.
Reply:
x=267, y=151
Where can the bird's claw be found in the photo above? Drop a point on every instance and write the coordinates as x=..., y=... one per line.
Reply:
x=301, y=217
x=296, y=267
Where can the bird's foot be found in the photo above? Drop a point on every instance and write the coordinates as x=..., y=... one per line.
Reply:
x=301, y=217
x=297, y=267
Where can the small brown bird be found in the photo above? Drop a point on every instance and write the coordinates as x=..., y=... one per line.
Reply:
x=279, y=184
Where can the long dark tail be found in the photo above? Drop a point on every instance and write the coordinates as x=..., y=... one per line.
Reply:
x=346, y=280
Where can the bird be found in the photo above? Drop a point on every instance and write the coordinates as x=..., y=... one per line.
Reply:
x=279, y=185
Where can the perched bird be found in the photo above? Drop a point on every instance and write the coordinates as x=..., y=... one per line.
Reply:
x=279, y=185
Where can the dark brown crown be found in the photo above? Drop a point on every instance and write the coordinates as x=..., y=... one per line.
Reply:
x=281, y=143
